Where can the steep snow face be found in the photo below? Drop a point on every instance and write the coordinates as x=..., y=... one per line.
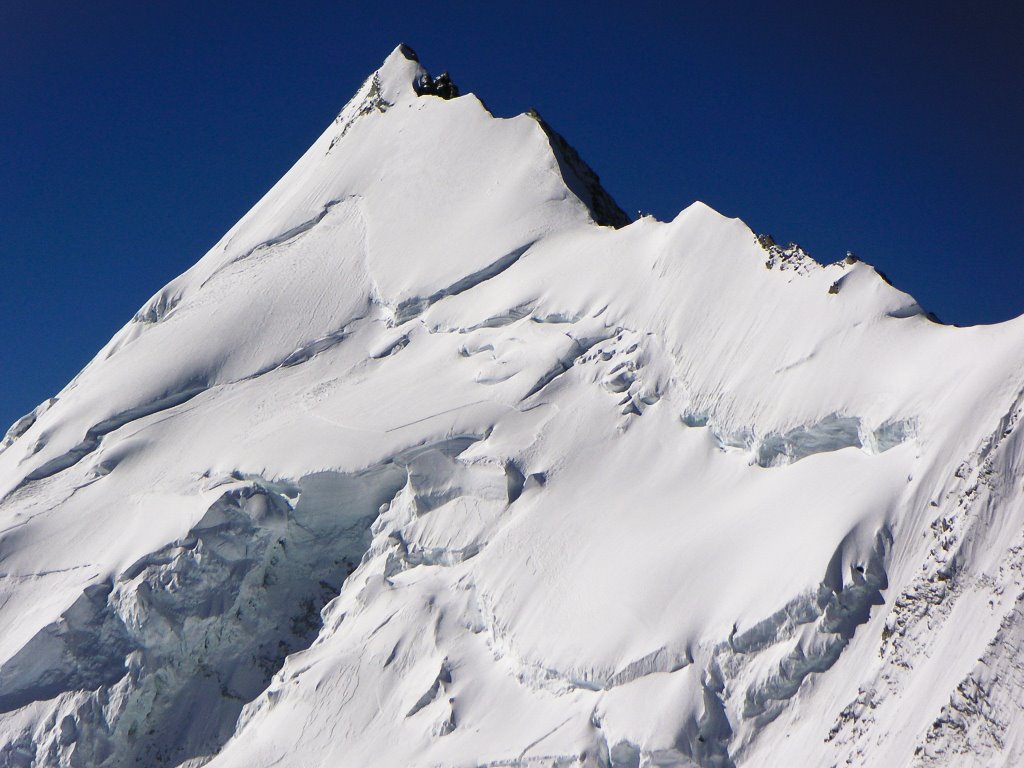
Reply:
x=437, y=459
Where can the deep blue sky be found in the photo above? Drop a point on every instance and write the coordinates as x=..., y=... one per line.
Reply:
x=133, y=134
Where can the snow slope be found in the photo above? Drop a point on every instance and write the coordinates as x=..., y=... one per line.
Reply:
x=436, y=459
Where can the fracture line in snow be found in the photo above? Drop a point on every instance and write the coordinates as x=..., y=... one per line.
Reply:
x=434, y=415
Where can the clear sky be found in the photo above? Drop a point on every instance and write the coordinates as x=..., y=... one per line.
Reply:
x=133, y=134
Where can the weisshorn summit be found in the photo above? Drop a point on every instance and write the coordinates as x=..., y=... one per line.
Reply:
x=438, y=459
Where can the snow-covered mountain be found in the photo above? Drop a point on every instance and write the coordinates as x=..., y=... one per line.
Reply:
x=436, y=459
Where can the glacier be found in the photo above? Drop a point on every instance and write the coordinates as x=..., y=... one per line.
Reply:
x=438, y=458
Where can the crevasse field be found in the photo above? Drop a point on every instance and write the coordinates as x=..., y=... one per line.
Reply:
x=436, y=459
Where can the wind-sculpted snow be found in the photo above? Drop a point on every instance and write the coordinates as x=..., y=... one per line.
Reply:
x=410, y=308
x=95, y=433
x=437, y=459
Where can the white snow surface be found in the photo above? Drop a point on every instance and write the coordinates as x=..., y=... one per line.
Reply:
x=421, y=465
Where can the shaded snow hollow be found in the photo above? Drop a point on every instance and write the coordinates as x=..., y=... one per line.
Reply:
x=436, y=459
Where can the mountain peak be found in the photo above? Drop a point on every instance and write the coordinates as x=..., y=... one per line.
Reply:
x=420, y=465
x=405, y=51
x=402, y=76
x=395, y=78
